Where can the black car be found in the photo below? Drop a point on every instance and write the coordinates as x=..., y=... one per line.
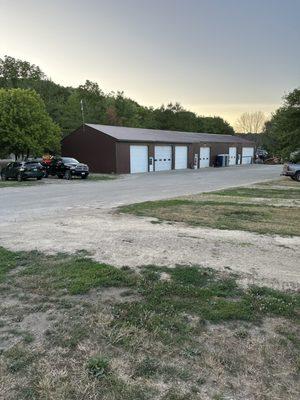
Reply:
x=66, y=167
x=22, y=170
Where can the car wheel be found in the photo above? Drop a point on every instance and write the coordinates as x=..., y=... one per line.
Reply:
x=3, y=177
x=60, y=176
x=38, y=178
x=297, y=176
x=68, y=175
x=84, y=176
x=19, y=177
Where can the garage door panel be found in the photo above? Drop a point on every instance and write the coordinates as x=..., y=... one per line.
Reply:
x=204, y=157
x=163, y=158
x=138, y=159
x=232, y=155
x=181, y=157
x=247, y=155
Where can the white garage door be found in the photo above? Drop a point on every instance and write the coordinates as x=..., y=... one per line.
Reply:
x=163, y=158
x=247, y=155
x=181, y=157
x=204, y=157
x=138, y=159
x=232, y=155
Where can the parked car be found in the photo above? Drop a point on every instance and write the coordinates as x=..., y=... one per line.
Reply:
x=292, y=170
x=22, y=170
x=260, y=156
x=66, y=167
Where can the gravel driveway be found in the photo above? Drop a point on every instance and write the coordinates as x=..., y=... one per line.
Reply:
x=79, y=216
x=34, y=201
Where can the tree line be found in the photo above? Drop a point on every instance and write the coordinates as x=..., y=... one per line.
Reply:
x=20, y=80
x=24, y=85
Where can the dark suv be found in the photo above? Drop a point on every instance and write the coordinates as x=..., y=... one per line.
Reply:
x=66, y=167
x=22, y=170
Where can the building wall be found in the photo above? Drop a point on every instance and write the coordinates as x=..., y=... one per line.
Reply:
x=123, y=152
x=104, y=154
x=95, y=149
x=218, y=148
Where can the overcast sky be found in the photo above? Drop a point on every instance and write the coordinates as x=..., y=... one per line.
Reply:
x=215, y=57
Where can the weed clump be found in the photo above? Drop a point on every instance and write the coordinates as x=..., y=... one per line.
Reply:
x=98, y=367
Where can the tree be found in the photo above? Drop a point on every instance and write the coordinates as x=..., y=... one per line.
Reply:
x=25, y=127
x=216, y=125
x=251, y=122
x=12, y=69
x=282, y=133
x=63, y=104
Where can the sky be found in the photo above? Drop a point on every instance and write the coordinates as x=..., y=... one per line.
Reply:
x=215, y=57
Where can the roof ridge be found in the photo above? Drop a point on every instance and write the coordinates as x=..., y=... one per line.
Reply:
x=159, y=130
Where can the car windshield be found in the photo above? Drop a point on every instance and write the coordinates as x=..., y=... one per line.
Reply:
x=70, y=160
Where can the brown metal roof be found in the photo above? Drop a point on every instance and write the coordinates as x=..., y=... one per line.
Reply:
x=122, y=133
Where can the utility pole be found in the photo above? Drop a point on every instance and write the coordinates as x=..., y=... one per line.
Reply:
x=82, y=114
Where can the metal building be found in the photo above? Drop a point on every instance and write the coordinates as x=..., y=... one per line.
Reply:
x=117, y=149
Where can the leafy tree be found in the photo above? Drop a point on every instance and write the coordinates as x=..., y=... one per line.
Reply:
x=63, y=104
x=282, y=133
x=216, y=125
x=25, y=127
x=11, y=70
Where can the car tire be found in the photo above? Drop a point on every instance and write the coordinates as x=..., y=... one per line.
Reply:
x=60, y=176
x=38, y=178
x=297, y=176
x=3, y=177
x=84, y=176
x=68, y=175
x=19, y=177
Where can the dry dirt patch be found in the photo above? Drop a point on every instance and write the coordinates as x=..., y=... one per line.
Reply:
x=127, y=240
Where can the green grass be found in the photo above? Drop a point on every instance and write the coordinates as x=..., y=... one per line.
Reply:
x=224, y=210
x=74, y=275
x=266, y=193
x=201, y=293
x=4, y=184
x=98, y=367
x=155, y=335
x=191, y=290
x=8, y=261
x=19, y=359
x=98, y=177
x=264, y=219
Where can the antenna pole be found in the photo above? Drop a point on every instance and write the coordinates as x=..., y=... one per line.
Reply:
x=82, y=114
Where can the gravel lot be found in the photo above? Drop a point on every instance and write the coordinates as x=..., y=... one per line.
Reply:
x=53, y=219
x=21, y=203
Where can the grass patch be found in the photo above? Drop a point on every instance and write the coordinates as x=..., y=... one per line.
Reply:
x=98, y=177
x=8, y=261
x=262, y=219
x=98, y=367
x=168, y=335
x=72, y=275
x=224, y=210
x=177, y=309
x=284, y=181
x=266, y=193
x=4, y=184
x=19, y=359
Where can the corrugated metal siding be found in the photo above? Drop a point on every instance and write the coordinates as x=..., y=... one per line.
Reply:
x=107, y=154
x=86, y=145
